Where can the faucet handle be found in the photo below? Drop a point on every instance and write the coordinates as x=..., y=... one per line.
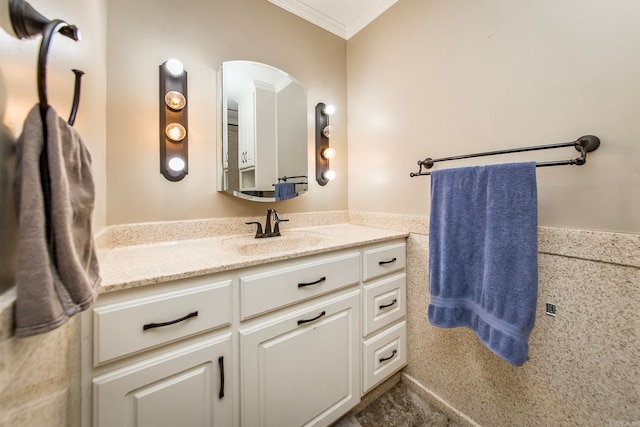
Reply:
x=259, y=230
x=276, y=229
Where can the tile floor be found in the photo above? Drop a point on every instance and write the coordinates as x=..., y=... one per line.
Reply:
x=399, y=407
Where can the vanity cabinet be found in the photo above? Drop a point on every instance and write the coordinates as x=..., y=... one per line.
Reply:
x=185, y=387
x=301, y=367
x=162, y=355
x=288, y=343
x=384, y=327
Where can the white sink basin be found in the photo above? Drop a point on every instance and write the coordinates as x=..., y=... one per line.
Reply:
x=293, y=241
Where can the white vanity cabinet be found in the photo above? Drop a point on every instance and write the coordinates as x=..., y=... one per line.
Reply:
x=384, y=329
x=290, y=343
x=185, y=387
x=301, y=365
x=302, y=368
x=162, y=355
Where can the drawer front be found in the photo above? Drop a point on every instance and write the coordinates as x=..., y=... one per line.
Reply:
x=383, y=355
x=275, y=288
x=383, y=260
x=143, y=323
x=384, y=302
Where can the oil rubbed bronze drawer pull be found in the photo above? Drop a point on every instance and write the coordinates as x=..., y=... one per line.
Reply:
x=322, y=279
x=387, y=305
x=394, y=259
x=384, y=359
x=300, y=322
x=172, y=322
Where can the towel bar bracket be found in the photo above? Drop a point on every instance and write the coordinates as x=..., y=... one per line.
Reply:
x=590, y=142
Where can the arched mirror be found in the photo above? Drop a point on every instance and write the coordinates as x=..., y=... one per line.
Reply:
x=264, y=133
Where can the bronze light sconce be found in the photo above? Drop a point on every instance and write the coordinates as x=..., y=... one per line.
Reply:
x=324, y=152
x=173, y=121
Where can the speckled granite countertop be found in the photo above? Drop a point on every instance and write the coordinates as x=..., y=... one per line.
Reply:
x=130, y=266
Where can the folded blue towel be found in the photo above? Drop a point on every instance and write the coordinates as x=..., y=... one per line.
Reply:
x=483, y=254
x=285, y=190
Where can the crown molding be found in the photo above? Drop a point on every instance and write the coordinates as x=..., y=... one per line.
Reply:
x=344, y=30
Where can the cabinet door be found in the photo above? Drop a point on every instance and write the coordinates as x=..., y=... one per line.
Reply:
x=187, y=387
x=247, y=128
x=302, y=368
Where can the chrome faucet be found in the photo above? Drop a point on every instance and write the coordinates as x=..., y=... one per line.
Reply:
x=267, y=226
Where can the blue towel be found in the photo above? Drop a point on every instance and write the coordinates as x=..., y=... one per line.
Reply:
x=483, y=254
x=285, y=190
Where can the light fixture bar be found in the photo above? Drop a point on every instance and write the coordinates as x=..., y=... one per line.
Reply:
x=323, y=173
x=174, y=136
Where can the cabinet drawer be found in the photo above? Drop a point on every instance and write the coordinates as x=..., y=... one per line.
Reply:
x=279, y=287
x=383, y=303
x=383, y=355
x=142, y=323
x=383, y=260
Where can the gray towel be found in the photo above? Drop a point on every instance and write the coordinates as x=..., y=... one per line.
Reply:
x=483, y=254
x=59, y=276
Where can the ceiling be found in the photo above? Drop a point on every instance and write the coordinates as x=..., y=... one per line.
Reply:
x=341, y=17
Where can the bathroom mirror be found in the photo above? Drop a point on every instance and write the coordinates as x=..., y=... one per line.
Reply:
x=263, y=140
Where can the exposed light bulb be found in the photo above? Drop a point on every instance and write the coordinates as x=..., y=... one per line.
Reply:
x=327, y=131
x=176, y=164
x=329, y=109
x=175, y=131
x=329, y=153
x=329, y=174
x=175, y=100
x=174, y=67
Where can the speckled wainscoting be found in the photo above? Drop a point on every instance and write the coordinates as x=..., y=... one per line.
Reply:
x=584, y=367
x=39, y=376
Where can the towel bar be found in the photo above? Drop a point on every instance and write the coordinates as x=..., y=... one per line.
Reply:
x=585, y=144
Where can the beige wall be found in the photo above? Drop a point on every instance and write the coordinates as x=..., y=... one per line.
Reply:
x=39, y=376
x=18, y=91
x=18, y=94
x=206, y=33
x=435, y=78
x=439, y=78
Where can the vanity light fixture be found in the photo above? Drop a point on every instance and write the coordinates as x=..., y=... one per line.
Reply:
x=323, y=151
x=173, y=120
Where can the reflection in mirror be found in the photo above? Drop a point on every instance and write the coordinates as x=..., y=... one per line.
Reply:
x=264, y=133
